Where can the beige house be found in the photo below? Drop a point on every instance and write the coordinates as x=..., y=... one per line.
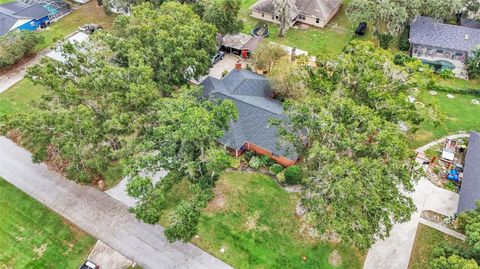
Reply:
x=313, y=12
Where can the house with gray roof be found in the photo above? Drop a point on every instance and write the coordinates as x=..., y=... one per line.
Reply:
x=16, y=15
x=252, y=131
x=29, y=15
x=443, y=46
x=312, y=12
x=470, y=189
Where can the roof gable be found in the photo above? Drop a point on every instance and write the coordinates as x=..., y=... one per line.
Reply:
x=251, y=94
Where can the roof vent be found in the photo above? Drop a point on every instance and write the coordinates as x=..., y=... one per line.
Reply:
x=466, y=37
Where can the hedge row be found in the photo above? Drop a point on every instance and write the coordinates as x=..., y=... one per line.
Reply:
x=447, y=89
x=16, y=45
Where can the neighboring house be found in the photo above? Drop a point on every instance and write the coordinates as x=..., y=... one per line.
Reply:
x=443, y=46
x=470, y=188
x=30, y=16
x=240, y=44
x=313, y=12
x=252, y=131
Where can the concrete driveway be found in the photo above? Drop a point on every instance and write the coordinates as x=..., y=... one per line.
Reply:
x=227, y=64
x=99, y=214
x=394, y=252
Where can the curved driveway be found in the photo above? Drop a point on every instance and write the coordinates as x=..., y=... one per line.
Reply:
x=99, y=214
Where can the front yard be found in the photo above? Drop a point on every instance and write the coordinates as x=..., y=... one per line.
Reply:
x=461, y=114
x=426, y=240
x=252, y=224
x=32, y=236
x=317, y=41
x=88, y=13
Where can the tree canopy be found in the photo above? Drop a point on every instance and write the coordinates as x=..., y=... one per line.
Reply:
x=357, y=162
x=224, y=15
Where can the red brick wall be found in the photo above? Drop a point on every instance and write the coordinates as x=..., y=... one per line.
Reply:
x=279, y=159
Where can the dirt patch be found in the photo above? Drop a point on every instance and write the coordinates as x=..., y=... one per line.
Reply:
x=13, y=69
x=335, y=259
x=40, y=250
x=251, y=222
x=220, y=201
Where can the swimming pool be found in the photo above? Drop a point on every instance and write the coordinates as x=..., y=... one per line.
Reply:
x=439, y=65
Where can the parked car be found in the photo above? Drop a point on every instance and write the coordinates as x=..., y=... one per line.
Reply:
x=218, y=57
x=89, y=265
x=90, y=28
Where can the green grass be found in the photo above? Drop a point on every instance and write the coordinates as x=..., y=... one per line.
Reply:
x=5, y=1
x=426, y=240
x=317, y=41
x=258, y=228
x=88, y=13
x=19, y=97
x=458, y=83
x=460, y=115
x=113, y=175
x=32, y=236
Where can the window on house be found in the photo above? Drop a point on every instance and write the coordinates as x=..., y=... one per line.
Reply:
x=276, y=17
x=263, y=14
x=273, y=17
x=318, y=20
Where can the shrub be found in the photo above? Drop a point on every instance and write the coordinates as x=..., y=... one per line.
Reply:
x=255, y=162
x=16, y=45
x=248, y=155
x=384, y=39
x=473, y=64
x=266, y=161
x=402, y=59
x=276, y=169
x=293, y=174
x=235, y=163
x=446, y=74
x=224, y=73
x=403, y=42
x=281, y=177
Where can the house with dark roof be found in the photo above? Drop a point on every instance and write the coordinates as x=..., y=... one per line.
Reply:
x=443, y=46
x=252, y=131
x=312, y=12
x=240, y=43
x=20, y=16
x=470, y=189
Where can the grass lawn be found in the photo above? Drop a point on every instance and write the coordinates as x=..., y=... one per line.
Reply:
x=327, y=41
x=19, y=97
x=32, y=236
x=254, y=220
x=426, y=240
x=460, y=115
x=458, y=83
x=5, y=1
x=88, y=13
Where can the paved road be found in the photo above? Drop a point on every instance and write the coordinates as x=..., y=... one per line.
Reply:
x=99, y=214
x=394, y=252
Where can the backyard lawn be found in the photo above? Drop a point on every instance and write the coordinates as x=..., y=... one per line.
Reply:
x=460, y=115
x=88, y=13
x=317, y=41
x=426, y=240
x=32, y=236
x=254, y=221
x=5, y=1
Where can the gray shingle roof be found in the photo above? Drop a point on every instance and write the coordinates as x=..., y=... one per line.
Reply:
x=21, y=10
x=470, y=191
x=251, y=93
x=6, y=23
x=428, y=31
x=322, y=9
